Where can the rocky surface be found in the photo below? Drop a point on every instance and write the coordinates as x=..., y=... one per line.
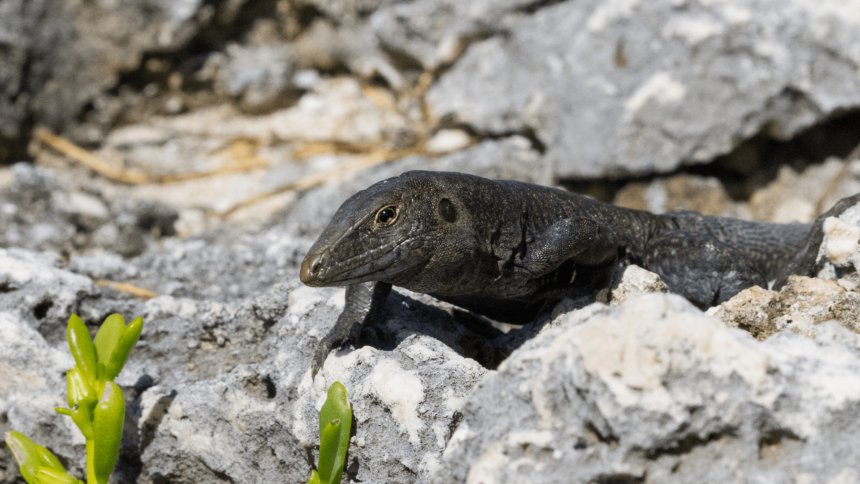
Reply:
x=208, y=379
x=59, y=56
x=613, y=88
x=655, y=391
x=218, y=389
x=601, y=89
x=221, y=136
x=804, y=303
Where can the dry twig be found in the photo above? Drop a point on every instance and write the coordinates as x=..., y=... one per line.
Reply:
x=121, y=286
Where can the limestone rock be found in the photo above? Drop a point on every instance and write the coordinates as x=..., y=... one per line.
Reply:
x=43, y=211
x=633, y=281
x=39, y=292
x=656, y=391
x=265, y=415
x=802, y=305
x=58, y=56
x=33, y=384
x=630, y=87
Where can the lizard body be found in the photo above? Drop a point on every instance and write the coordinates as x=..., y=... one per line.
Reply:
x=503, y=249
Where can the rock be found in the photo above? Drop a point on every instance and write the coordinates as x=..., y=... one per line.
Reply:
x=621, y=88
x=681, y=192
x=654, y=390
x=633, y=281
x=236, y=371
x=59, y=56
x=800, y=197
x=839, y=253
x=447, y=140
x=841, y=246
x=38, y=292
x=104, y=266
x=42, y=212
x=801, y=306
x=265, y=415
x=435, y=34
x=258, y=75
x=194, y=268
x=33, y=384
x=843, y=240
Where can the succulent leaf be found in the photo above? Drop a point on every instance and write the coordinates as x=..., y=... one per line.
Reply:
x=126, y=341
x=108, y=336
x=108, y=420
x=330, y=465
x=82, y=347
x=335, y=424
x=34, y=461
x=315, y=478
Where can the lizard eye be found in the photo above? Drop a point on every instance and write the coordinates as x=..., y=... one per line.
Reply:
x=387, y=215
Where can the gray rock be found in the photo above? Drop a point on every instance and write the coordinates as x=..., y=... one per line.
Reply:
x=655, y=391
x=200, y=269
x=264, y=417
x=633, y=87
x=104, y=266
x=840, y=249
x=41, y=212
x=633, y=281
x=34, y=288
x=236, y=373
x=436, y=33
x=58, y=56
x=33, y=384
x=258, y=75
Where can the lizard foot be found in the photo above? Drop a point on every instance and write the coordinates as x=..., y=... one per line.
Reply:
x=340, y=335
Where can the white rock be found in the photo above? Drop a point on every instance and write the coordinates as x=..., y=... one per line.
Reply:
x=447, y=140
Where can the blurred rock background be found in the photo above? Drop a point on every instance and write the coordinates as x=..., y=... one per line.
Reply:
x=176, y=158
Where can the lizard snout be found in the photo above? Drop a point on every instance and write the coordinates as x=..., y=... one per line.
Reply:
x=310, y=268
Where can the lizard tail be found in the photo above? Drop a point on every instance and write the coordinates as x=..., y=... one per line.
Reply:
x=806, y=262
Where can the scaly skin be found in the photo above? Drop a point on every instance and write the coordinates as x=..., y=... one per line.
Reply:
x=503, y=249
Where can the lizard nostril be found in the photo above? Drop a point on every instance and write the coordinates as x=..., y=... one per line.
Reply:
x=311, y=267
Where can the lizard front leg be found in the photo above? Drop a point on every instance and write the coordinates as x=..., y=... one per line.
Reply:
x=583, y=240
x=363, y=304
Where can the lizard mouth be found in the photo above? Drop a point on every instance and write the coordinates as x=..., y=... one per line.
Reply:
x=318, y=271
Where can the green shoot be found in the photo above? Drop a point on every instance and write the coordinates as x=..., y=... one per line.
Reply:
x=335, y=424
x=96, y=403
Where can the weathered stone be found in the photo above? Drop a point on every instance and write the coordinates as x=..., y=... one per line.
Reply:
x=681, y=192
x=800, y=197
x=652, y=391
x=802, y=305
x=630, y=87
x=33, y=384
x=58, y=55
x=43, y=212
x=633, y=281
x=33, y=287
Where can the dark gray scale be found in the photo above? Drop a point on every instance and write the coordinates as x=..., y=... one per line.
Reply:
x=506, y=249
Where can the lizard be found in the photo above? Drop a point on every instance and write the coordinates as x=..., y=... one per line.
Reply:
x=505, y=249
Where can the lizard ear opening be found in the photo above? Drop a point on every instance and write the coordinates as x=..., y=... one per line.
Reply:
x=447, y=211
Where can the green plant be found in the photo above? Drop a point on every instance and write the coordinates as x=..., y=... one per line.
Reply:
x=96, y=403
x=335, y=423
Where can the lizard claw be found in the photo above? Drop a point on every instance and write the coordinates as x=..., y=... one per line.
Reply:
x=315, y=368
x=323, y=349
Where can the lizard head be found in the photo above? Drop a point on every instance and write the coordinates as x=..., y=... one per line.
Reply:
x=388, y=232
